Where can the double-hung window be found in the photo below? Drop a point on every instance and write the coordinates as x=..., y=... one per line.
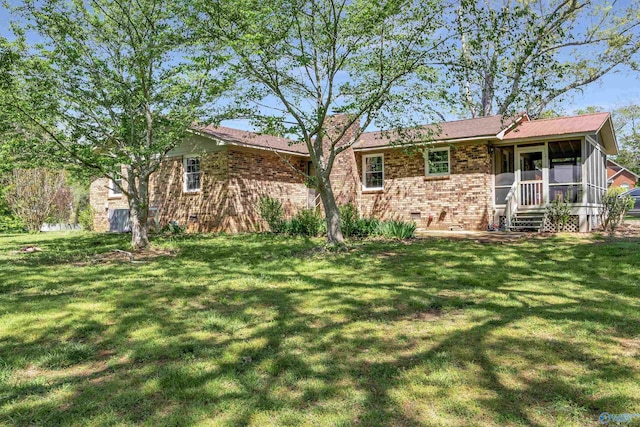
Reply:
x=191, y=174
x=373, y=172
x=437, y=162
x=115, y=187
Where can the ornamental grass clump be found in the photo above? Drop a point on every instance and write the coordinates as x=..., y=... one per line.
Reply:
x=397, y=229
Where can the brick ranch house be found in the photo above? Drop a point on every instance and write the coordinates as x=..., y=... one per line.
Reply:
x=619, y=176
x=473, y=174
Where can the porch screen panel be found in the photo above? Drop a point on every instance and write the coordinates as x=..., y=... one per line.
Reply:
x=565, y=170
x=504, y=173
x=596, y=171
x=603, y=175
x=589, y=149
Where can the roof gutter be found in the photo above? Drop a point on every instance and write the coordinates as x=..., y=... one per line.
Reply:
x=434, y=142
x=543, y=138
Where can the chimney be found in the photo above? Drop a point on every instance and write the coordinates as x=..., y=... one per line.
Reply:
x=344, y=175
x=334, y=126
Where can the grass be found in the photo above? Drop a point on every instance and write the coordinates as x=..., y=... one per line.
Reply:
x=260, y=330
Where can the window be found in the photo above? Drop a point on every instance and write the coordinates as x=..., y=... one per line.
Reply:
x=625, y=186
x=437, y=161
x=115, y=187
x=373, y=172
x=191, y=174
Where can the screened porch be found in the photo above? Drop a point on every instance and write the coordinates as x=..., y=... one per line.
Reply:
x=533, y=174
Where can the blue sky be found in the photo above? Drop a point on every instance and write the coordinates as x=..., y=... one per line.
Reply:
x=614, y=90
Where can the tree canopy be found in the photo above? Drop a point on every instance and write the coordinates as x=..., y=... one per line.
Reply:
x=116, y=83
x=113, y=85
x=511, y=55
x=302, y=61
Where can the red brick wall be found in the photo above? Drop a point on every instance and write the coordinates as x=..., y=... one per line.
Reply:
x=203, y=210
x=233, y=180
x=257, y=173
x=344, y=179
x=231, y=183
x=101, y=203
x=624, y=178
x=462, y=200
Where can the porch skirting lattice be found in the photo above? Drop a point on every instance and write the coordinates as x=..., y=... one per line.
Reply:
x=572, y=226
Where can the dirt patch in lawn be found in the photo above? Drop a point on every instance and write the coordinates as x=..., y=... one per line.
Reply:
x=480, y=236
x=121, y=256
x=629, y=229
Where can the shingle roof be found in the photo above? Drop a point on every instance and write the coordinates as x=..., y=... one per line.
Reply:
x=483, y=127
x=614, y=168
x=445, y=131
x=252, y=139
x=585, y=123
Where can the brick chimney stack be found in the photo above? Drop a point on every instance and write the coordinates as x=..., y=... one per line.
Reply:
x=344, y=175
x=336, y=123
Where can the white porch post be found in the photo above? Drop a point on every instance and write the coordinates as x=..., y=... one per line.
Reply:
x=545, y=174
x=585, y=195
x=517, y=173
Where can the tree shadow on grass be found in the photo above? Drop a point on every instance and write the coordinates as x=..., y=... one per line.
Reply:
x=390, y=334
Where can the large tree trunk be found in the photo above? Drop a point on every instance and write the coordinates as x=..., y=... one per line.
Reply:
x=334, y=231
x=138, y=210
x=139, y=228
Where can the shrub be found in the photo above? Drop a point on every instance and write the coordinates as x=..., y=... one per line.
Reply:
x=615, y=206
x=348, y=219
x=271, y=211
x=307, y=222
x=85, y=218
x=34, y=195
x=354, y=226
x=323, y=227
x=173, y=228
x=367, y=227
x=559, y=213
x=397, y=229
x=11, y=224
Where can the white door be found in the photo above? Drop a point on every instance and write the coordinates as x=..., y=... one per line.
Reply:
x=532, y=164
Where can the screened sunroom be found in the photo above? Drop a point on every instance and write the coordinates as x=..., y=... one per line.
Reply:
x=529, y=175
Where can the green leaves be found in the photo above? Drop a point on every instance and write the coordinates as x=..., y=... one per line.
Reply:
x=299, y=62
x=127, y=77
x=111, y=82
x=522, y=56
x=306, y=59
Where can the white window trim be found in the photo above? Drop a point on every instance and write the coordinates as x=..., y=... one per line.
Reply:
x=184, y=174
x=427, y=163
x=112, y=187
x=364, y=172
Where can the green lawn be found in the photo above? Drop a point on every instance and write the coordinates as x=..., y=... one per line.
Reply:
x=260, y=330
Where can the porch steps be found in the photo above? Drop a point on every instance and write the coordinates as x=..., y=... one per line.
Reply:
x=527, y=221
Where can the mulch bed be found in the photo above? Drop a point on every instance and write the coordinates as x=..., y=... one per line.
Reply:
x=628, y=229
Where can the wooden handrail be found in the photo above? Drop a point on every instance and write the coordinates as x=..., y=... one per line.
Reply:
x=511, y=202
